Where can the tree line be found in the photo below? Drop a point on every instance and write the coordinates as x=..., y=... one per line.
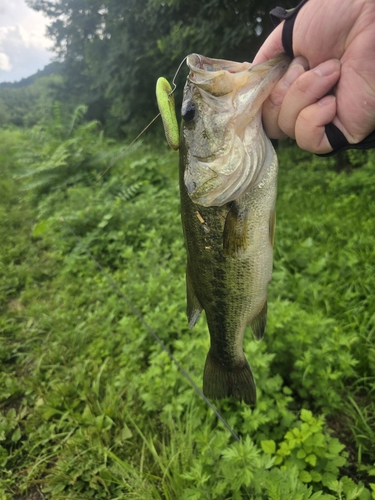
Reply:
x=113, y=51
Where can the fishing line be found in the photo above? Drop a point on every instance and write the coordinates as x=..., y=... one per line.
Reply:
x=127, y=148
x=152, y=332
x=146, y=127
x=123, y=296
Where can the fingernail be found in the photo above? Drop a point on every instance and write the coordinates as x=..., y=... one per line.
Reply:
x=327, y=68
x=327, y=100
x=292, y=74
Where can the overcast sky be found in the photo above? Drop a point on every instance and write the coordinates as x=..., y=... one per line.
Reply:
x=23, y=46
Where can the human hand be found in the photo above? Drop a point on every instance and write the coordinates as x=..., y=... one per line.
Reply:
x=334, y=45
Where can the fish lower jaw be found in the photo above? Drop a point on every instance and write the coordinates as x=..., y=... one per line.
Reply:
x=215, y=197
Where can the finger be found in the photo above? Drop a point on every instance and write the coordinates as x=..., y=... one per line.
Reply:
x=272, y=106
x=356, y=101
x=311, y=122
x=272, y=47
x=306, y=90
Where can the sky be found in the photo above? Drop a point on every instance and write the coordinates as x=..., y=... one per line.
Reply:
x=23, y=44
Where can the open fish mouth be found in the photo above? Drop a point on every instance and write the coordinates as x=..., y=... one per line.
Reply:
x=205, y=70
x=202, y=64
x=214, y=75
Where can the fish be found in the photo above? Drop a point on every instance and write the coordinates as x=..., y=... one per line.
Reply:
x=228, y=182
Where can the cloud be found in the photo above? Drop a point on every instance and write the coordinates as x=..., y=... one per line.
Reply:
x=4, y=62
x=32, y=32
x=23, y=44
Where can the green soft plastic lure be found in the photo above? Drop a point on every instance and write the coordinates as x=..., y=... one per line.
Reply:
x=167, y=110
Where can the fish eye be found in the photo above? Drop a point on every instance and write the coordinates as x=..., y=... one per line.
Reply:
x=188, y=113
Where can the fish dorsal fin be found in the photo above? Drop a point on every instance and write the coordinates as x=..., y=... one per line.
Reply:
x=193, y=308
x=235, y=231
x=258, y=324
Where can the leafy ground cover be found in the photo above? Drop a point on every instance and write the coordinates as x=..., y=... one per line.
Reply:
x=91, y=407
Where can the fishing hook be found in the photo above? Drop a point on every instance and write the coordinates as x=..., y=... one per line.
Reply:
x=175, y=76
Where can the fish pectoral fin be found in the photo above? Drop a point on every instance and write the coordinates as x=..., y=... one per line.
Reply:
x=272, y=226
x=221, y=381
x=193, y=309
x=258, y=324
x=235, y=231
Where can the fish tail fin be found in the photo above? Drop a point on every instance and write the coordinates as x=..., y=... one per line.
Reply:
x=220, y=381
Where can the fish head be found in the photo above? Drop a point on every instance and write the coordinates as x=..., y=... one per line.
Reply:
x=223, y=141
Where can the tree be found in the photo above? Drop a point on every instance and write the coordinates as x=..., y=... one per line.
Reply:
x=28, y=104
x=115, y=50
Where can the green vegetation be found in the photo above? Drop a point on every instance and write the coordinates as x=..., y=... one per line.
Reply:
x=113, y=51
x=31, y=100
x=91, y=407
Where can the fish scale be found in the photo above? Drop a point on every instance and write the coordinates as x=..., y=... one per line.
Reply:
x=229, y=237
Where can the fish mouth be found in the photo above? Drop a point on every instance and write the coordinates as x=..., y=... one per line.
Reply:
x=216, y=75
x=231, y=146
x=201, y=64
x=220, y=77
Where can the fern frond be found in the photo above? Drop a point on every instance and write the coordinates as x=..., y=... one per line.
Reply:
x=77, y=115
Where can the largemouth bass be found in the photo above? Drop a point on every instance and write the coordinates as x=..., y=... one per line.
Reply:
x=228, y=176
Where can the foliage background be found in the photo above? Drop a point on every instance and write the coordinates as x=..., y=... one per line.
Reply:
x=90, y=406
x=112, y=52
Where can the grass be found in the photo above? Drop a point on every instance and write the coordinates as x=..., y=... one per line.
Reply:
x=90, y=407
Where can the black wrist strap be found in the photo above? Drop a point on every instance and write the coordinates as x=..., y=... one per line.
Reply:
x=279, y=14
x=339, y=142
x=334, y=135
